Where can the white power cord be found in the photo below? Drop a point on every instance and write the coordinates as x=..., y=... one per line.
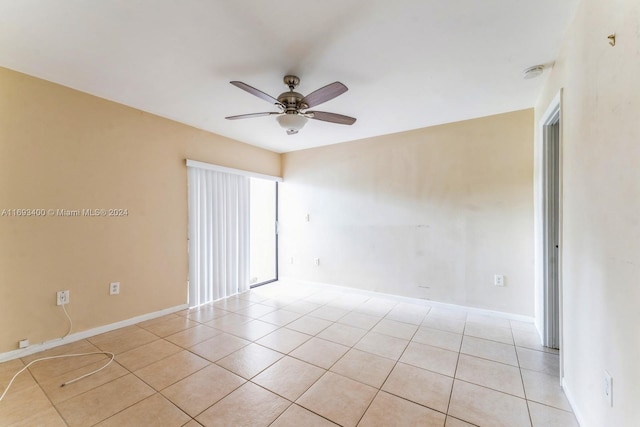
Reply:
x=61, y=356
x=70, y=321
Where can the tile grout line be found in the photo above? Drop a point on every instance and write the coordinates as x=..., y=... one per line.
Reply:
x=64, y=420
x=267, y=367
x=524, y=390
x=379, y=389
x=341, y=357
x=193, y=373
x=293, y=357
x=455, y=371
x=390, y=371
x=150, y=386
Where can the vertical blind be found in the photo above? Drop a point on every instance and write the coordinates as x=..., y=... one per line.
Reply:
x=218, y=234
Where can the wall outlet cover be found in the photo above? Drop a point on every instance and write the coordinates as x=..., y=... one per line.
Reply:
x=114, y=288
x=62, y=297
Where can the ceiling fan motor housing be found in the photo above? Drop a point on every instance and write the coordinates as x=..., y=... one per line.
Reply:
x=291, y=101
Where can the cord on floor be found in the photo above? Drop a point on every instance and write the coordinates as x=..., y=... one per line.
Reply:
x=61, y=356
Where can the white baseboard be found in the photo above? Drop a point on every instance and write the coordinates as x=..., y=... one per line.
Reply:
x=574, y=407
x=56, y=342
x=35, y=348
x=417, y=301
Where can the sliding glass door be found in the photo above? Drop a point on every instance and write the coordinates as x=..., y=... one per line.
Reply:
x=263, y=232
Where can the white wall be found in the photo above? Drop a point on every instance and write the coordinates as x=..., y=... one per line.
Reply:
x=601, y=209
x=432, y=213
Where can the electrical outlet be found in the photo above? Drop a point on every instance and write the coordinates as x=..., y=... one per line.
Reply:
x=291, y=260
x=317, y=261
x=608, y=387
x=498, y=280
x=114, y=288
x=23, y=343
x=62, y=297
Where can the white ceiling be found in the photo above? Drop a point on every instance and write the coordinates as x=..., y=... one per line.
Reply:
x=408, y=63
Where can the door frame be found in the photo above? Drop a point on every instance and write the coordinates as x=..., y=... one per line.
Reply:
x=548, y=298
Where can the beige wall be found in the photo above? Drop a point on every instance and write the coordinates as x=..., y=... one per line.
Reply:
x=62, y=149
x=601, y=208
x=432, y=213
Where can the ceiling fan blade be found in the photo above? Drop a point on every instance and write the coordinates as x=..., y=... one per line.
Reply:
x=250, y=116
x=253, y=91
x=331, y=117
x=324, y=94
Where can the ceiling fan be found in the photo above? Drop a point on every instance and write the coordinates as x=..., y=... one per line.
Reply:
x=294, y=108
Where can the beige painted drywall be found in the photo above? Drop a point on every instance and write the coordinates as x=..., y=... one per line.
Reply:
x=432, y=213
x=601, y=208
x=63, y=149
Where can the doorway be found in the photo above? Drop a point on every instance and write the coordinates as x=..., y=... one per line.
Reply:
x=263, y=232
x=551, y=226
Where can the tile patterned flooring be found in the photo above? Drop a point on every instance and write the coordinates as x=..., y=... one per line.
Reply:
x=287, y=354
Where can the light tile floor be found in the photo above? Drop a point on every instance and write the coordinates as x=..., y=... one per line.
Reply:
x=288, y=354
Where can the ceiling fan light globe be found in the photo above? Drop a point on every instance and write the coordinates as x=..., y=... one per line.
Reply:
x=292, y=122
